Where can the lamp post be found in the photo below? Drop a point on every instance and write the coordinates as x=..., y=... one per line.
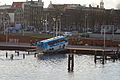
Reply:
x=104, y=38
x=60, y=23
x=4, y=27
x=113, y=32
x=54, y=27
x=86, y=23
x=46, y=23
x=59, y=26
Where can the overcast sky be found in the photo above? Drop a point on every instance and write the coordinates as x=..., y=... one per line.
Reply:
x=108, y=3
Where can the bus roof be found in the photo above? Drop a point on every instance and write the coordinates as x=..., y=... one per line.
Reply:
x=53, y=39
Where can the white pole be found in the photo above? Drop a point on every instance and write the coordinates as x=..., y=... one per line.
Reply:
x=113, y=33
x=46, y=23
x=104, y=38
x=60, y=27
x=6, y=37
x=56, y=28
x=4, y=27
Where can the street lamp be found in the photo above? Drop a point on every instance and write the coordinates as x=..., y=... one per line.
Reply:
x=104, y=38
x=54, y=27
x=4, y=27
x=86, y=15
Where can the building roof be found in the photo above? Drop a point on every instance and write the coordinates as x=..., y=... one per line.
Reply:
x=62, y=6
x=5, y=6
x=17, y=4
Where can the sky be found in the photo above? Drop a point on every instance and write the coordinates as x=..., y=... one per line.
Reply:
x=108, y=3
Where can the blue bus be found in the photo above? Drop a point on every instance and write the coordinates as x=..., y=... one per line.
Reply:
x=52, y=45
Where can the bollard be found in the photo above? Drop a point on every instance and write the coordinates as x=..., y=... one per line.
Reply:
x=70, y=63
x=17, y=53
x=35, y=54
x=103, y=57
x=113, y=56
x=28, y=52
x=6, y=54
x=11, y=57
x=95, y=57
x=23, y=56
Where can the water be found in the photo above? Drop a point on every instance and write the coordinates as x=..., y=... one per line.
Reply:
x=54, y=67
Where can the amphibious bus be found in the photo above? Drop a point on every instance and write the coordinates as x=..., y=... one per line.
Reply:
x=52, y=45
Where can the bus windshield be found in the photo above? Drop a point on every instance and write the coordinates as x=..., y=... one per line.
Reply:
x=39, y=44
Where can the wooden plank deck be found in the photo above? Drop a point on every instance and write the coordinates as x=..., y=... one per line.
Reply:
x=18, y=46
x=91, y=48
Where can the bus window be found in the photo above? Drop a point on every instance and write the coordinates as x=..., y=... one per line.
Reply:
x=39, y=44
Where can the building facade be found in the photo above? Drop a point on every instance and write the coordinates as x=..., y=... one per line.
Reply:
x=4, y=16
x=74, y=17
x=28, y=13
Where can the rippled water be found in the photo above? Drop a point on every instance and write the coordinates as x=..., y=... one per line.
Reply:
x=54, y=67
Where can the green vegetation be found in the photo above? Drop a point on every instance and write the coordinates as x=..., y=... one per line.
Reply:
x=35, y=35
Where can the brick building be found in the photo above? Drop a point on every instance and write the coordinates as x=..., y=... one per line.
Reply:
x=28, y=13
x=4, y=16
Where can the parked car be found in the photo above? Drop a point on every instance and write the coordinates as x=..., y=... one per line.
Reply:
x=67, y=33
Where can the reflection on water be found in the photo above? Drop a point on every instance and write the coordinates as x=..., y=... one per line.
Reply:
x=52, y=56
x=54, y=67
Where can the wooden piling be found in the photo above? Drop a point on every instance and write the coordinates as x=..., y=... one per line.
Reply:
x=18, y=53
x=103, y=57
x=11, y=57
x=23, y=56
x=6, y=54
x=28, y=52
x=35, y=54
x=15, y=51
x=70, y=63
x=95, y=56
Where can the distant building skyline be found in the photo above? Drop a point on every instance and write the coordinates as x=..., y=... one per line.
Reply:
x=107, y=3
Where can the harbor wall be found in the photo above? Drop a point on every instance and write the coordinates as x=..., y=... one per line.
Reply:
x=92, y=42
x=19, y=39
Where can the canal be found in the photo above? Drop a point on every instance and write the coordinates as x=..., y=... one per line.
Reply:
x=54, y=67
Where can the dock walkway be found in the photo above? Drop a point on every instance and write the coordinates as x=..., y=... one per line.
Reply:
x=91, y=48
x=15, y=46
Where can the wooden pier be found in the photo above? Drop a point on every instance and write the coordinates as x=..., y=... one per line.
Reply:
x=100, y=53
x=18, y=46
x=91, y=48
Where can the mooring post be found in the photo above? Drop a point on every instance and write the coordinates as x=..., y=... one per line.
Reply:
x=95, y=57
x=6, y=54
x=28, y=52
x=103, y=57
x=35, y=54
x=113, y=56
x=69, y=62
x=72, y=65
x=17, y=53
x=23, y=56
x=11, y=57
